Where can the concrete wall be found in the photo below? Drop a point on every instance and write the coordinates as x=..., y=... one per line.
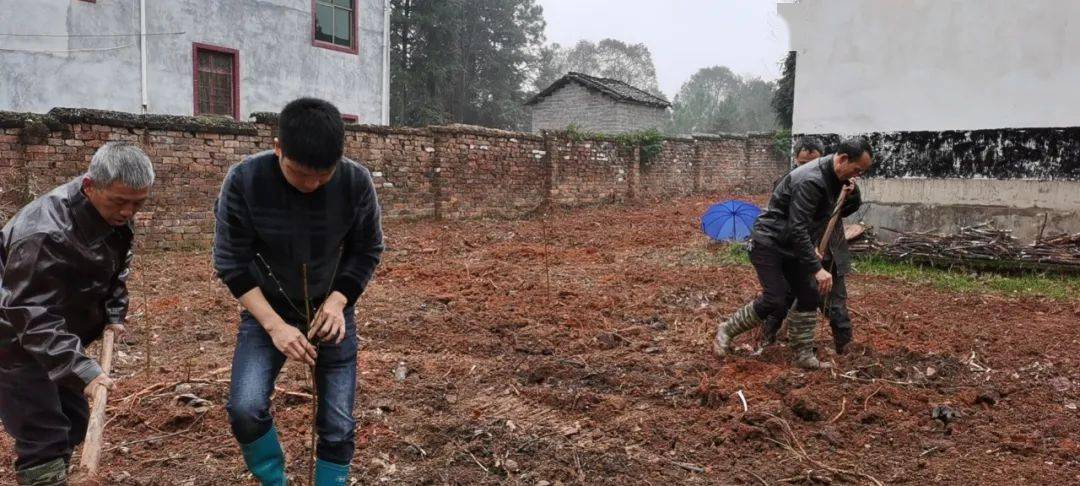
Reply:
x=891, y=65
x=591, y=111
x=273, y=37
x=971, y=106
x=942, y=205
x=449, y=172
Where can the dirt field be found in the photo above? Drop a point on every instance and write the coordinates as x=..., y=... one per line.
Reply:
x=573, y=349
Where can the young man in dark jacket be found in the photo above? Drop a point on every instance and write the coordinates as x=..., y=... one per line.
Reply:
x=298, y=233
x=64, y=263
x=784, y=253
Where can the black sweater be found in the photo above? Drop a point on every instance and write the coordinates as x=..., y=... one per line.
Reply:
x=267, y=231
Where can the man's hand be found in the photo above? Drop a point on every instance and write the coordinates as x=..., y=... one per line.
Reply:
x=118, y=330
x=849, y=187
x=329, y=323
x=101, y=380
x=824, y=281
x=292, y=343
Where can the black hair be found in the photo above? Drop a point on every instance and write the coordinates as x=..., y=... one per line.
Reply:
x=854, y=147
x=311, y=133
x=809, y=144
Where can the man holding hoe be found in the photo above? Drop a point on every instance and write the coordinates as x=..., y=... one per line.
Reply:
x=837, y=262
x=783, y=251
x=64, y=263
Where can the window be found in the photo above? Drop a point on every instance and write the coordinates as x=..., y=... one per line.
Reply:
x=334, y=25
x=217, y=83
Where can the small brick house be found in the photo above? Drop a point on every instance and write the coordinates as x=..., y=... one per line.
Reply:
x=596, y=105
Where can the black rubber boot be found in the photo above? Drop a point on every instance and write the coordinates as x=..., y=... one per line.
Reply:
x=841, y=339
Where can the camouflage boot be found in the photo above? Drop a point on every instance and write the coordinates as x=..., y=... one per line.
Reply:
x=743, y=320
x=801, y=339
x=784, y=334
x=52, y=473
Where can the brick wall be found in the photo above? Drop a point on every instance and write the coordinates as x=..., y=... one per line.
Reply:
x=716, y=153
x=590, y=171
x=671, y=173
x=448, y=171
x=402, y=163
x=763, y=164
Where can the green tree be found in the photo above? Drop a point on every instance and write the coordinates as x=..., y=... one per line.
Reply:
x=609, y=58
x=715, y=99
x=783, y=102
x=705, y=103
x=463, y=61
x=754, y=111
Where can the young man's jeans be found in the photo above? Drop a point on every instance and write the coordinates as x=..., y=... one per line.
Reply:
x=255, y=366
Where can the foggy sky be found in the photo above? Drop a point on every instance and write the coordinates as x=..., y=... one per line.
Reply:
x=683, y=35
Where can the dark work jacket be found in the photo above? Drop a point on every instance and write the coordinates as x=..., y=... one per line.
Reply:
x=267, y=231
x=839, y=253
x=799, y=210
x=63, y=273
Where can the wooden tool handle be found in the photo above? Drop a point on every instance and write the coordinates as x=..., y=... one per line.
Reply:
x=91, y=454
x=824, y=245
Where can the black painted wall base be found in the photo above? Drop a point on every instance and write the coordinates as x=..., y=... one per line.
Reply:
x=1008, y=153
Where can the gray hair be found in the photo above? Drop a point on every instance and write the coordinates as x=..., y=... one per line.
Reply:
x=121, y=162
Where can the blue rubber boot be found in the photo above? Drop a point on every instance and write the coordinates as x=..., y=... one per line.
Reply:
x=330, y=474
x=265, y=459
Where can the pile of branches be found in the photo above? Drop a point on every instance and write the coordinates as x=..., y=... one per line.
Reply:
x=978, y=242
x=1063, y=249
x=862, y=239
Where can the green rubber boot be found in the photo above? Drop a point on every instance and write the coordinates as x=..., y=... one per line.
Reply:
x=265, y=459
x=331, y=474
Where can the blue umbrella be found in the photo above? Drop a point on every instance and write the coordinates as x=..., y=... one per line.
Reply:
x=729, y=220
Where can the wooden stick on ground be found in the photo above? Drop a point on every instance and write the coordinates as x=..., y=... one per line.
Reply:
x=314, y=383
x=91, y=454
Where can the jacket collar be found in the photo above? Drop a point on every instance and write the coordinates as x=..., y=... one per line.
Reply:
x=828, y=171
x=89, y=224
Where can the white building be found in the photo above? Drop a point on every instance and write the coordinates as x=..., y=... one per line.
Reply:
x=188, y=57
x=972, y=105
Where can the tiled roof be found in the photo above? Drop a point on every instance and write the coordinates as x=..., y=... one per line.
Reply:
x=613, y=88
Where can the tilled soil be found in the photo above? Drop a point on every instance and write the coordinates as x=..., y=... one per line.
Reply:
x=573, y=348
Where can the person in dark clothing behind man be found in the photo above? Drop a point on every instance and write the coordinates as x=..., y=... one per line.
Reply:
x=807, y=149
x=64, y=263
x=838, y=262
x=783, y=251
x=300, y=214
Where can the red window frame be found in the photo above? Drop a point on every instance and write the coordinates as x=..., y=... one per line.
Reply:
x=355, y=48
x=350, y=118
x=195, y=48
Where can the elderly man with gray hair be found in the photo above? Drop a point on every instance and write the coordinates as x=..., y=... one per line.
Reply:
x=64, y=260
